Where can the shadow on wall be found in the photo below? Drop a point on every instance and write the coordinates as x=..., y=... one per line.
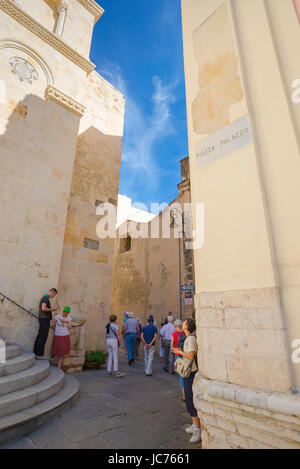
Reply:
x=37, y=149
x=86, y=271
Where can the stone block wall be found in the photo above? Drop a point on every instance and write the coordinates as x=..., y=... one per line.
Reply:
x=242, y=339
x=235, y=417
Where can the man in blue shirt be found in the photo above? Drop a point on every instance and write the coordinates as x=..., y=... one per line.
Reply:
x=148, y=337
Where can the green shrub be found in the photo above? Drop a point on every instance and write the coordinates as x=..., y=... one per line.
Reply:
x=95, y=356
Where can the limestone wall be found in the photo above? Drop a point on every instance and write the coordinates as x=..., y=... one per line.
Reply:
x=147, y=278
x=43, y=86
x=38, y=142
x=86, y=271
x=78, y=18
x=247, y=286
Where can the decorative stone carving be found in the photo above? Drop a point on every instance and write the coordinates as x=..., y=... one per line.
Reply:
x=9, y=7
x=93, y=8
x=24, y=70
x=68, y=103
x=19, y=49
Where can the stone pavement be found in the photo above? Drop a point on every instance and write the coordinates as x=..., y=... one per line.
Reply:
x=134, y=412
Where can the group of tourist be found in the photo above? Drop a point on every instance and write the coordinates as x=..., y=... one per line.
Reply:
x=177, y=344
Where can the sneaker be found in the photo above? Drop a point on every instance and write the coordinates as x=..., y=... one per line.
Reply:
x=119, y=375
x=190, y=429
x=108, y=374
x=196, y=438
x=166, y=369
x=129, y=362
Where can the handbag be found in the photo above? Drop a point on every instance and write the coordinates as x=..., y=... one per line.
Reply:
x=183, y=367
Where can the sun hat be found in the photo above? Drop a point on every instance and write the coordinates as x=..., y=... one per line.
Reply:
x=67, y=309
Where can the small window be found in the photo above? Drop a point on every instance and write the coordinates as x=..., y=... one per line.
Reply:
x=125, y=244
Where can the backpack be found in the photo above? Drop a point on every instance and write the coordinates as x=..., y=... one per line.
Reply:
x=181, y=340
x=183, y=366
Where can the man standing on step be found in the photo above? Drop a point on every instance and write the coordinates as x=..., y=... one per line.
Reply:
x=45, y=317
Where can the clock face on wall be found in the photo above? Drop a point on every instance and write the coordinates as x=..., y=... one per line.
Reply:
x=23, y=69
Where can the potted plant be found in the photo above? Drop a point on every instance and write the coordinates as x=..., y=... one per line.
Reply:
x=94, y=359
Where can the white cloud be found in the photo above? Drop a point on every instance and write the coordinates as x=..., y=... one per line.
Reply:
x=143, y=130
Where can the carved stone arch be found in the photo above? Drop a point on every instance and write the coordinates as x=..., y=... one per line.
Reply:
x=19, y=46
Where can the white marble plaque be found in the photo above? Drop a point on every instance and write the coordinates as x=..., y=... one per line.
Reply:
x=224, y=141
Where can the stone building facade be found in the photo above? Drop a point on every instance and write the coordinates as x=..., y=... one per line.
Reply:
x=61, y=127
x=242, y=72
x=149, y=271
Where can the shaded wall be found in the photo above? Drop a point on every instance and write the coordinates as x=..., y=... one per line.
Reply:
x=86, y=270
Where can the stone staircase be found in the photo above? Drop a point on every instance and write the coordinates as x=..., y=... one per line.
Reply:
x=32, y=393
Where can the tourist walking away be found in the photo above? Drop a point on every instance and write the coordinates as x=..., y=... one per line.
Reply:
x=166, y=333
x=153, y=320
x=161, y=350
x=113, y=342
x=149, y=335
x=189, y=362
x=177, y=341
x=61, y=341
x=138, y=339
x=131, y=328
x=166, y=320
x=45, y=317
x=126, y=317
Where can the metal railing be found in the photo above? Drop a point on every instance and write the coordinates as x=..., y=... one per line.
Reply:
x=19, y=306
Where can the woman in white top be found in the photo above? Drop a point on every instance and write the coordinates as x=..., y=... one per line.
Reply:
x=113, y=342
x=61, y=342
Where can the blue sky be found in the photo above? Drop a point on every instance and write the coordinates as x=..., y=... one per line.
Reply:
x=137, y=46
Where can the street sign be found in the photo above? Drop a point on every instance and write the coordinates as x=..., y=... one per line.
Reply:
x=188, y=301
x=187, y=287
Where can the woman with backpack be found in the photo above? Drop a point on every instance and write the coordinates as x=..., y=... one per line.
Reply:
x=177, y=341
x=113, y=343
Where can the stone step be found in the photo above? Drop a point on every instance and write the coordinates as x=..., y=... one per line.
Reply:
x=28, y=397
x=12, y=351
x=18, y=425
x=20, y=363
x=33, y=375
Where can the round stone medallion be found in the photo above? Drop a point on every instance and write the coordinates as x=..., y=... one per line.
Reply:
x=24, y=70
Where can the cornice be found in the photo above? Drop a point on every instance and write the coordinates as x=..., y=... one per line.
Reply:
x=184, y=185
x=50, y=38
x=93, y=7
x=53, y=94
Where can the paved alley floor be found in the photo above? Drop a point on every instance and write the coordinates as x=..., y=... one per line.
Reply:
x=133, y=412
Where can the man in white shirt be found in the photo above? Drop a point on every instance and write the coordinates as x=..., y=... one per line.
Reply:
x=166, y=334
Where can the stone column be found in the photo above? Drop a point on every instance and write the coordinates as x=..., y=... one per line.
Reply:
x=62, y=12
